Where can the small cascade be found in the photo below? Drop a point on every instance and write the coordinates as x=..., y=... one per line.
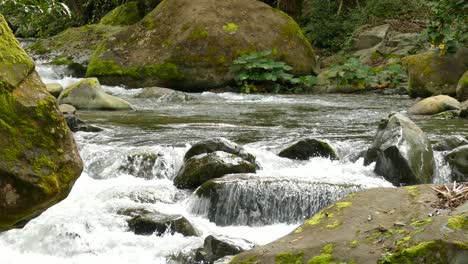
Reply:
x=443, y=171
x=256, y=201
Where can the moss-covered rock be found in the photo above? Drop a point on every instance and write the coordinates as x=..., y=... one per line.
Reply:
x=73, y=47
x=434, y=105
x=39, y=161
x=308, y=148
x=201, y=168
x=188, y=45
x=462, y=87
x=379, y=226
x=431, y=73
x=88, y=94
x=458, y=161
x=402, y=152
x=126, y=14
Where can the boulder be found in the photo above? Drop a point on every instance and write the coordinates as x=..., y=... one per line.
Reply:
x=383, y=225
x=216, y=247
x=464, y=109
x=218, y=144
x=432, y=74
x=309, y=148
x=73, y=47
x=257, y=201
x=165, y=95
x=370, y=37
x=189, y=45
x=54, y=89
x=434, y=105
x=458, y=161
x=74, y=123
x=450, y=143
x=462, y=87
x=150, y=223
x=402, y=152
x=88, y=94
x=201, y=168
x=126, y=14
x=39, y=161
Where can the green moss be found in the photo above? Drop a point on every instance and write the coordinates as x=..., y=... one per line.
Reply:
x=199, y=32
x=289, y=258
x=38, y=48
x=403, y=241
x=333, y=225
x=461, y=245
x=458, y=222
x=413, y=254
x=342, y=205
x=315, y=220
x=321, y=259
x=231, y=28
x=126, y=14
x=328, y=249
x=207, y=188
x=43, y=165
x=354, y=243
x=422, y=222
x=413, y=191
x=298, y=230
x=61, y=60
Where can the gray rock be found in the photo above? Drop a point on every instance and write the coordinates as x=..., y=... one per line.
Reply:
x=309, y=148
x=462, y=87
x=458, y=161
x=74, y=123
x=165, y=95
x=370, y=37
x=450, y=143
x=402, y=152
x=156, y=223
x=216, y=247
x=464, y=109
x=54, y=89
x=88, y=94
x=201, y=168
x=218, y=144
x=434, y=105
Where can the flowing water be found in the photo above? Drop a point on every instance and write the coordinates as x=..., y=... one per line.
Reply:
x=132, y=162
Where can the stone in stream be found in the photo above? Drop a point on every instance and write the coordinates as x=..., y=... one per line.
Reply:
x=165, y=95
x=382, y=225
x=462, y=87
x=402, y=152
x=39, y=161
x=218, y=144
x=201, y=168
x=464, y=109
x=74, y=123
x=216, y=247
x=54, y=89
x=434, y=105
x=309, y=148
x=458, y=161
x=88, y=94
x=431, y=73
x=256, y=201
x=450, y=143
x=150, y=223
x=189, y=45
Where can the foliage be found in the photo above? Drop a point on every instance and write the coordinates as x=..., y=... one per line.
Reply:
x=35, y=17
x=260, y=68
x=359, y=76
x=449, y=25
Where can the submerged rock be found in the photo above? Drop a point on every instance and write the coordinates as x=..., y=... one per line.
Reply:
x=54, y=89
x=462, y=87
x=309, y=148
x=402, y=152
x=188, y=45
x=150, y=223
x=39, y=161
x=218, y=144
x=256, y=201
x=450, y=143
x=165, y=95
x=201, y=168
x=432, y=74
x=434, y=105
x=375, y=226
x=216, y=247
x=458, y=161
x=88, y=94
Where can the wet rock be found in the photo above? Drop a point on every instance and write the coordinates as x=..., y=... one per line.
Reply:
x=256, y=201
x=74, y=123
x=361, y=229
x=216, y=247
x=88, y=94
x=450, y=143
x=218, y=144
x=464, y=109
x=197, y=45
x=54, y=89
x=156, y=223
x=126, y=14
x=458, y=161
x=165, y=95
x=447, y=115
x=434, y=105
x=39, y=161
x=431, y=74
x=402, y=152
x=462, y=87
x=201, y=168
x=309, y=148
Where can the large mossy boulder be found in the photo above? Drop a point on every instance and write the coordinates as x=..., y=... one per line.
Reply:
x=39, y=161
x=390, y=225
x=402, y=152
x=458, y=161
x=201, y=168
x=88, y=94
x=434, y=105
x=431, y=73
x=126, y=14
x=309, y=148
x=189, y=45
x=462, y=87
